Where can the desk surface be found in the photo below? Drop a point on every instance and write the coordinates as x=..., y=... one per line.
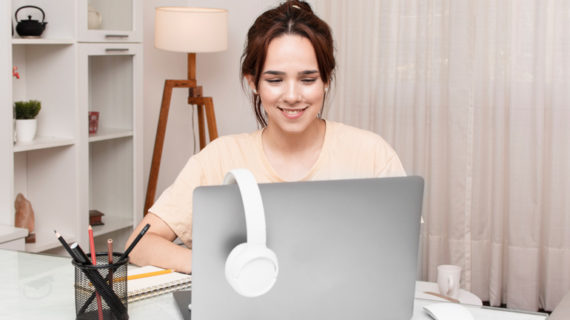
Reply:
x=465, y=297
x=41, y=287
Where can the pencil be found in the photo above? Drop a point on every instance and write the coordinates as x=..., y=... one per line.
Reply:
x=149, y=274
x=66, y=246
x=134, y=243
x=110, y=260
x=94, y=262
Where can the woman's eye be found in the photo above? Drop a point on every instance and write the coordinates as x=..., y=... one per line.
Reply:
x=309, y=80
x=273, y=80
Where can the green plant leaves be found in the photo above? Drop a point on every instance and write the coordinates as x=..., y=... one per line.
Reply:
x=27, y=109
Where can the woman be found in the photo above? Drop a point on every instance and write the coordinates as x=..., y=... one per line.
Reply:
x=288, y=63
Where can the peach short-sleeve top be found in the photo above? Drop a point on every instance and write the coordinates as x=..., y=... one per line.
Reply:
x=347, y=153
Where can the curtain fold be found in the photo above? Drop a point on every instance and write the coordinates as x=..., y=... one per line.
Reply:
x=475, y=97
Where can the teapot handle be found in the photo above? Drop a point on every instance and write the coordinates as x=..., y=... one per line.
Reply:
x=43, y=13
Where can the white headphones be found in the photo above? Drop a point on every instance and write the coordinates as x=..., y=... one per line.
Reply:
x=251, y=267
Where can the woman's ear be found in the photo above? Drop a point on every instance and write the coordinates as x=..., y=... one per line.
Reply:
x=327, y=85
x=251, y=83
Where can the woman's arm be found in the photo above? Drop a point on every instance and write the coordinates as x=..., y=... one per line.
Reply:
x=156, y=247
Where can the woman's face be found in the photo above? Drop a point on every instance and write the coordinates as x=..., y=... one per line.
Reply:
x=290, y=86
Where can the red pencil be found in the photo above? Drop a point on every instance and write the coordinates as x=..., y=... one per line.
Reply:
x=94, y=262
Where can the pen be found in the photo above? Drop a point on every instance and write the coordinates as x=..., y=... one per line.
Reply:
x=79, y=253
x=134, y=243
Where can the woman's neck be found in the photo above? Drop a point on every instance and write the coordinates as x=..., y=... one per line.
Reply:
x=287, y=143
x=292, y=155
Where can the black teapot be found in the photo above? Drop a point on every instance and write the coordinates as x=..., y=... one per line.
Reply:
x=30, y=28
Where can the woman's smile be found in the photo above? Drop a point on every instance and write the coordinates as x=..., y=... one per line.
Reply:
x=292, y=113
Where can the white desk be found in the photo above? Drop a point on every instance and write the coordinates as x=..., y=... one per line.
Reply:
x=465, y=297
x=37, y=286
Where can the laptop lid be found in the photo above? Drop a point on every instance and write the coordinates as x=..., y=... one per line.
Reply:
x=346, y=249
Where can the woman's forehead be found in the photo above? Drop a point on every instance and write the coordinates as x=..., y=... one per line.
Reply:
x=290, y=53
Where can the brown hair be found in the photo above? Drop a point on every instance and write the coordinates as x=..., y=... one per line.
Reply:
x=291, y=17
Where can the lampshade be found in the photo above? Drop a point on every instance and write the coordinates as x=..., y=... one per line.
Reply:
x=186, y=29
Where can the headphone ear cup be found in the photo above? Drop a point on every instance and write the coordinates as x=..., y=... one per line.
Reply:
x=251, y=269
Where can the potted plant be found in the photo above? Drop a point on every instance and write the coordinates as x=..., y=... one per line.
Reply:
x=25, y=113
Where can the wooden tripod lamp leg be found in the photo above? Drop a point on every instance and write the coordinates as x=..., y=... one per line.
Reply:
x=205, y=105
x=211, y=118
x=201, y=126
x=158, y=144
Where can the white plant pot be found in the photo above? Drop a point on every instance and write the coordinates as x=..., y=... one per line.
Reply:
x=26, y=130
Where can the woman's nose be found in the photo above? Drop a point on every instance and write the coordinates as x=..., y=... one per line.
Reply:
x=292, y=94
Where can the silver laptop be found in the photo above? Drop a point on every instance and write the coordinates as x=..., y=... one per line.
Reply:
x=347, y=249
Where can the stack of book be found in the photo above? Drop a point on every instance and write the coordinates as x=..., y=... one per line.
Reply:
x=96, y=217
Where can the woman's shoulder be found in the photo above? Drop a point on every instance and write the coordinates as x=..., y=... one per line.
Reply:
x=364, y=150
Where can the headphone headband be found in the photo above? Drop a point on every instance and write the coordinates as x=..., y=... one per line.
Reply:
x=252, y=204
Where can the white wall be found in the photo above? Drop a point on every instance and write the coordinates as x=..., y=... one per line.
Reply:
x=218, y=73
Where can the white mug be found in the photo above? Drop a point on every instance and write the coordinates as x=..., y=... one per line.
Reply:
x=448, y=277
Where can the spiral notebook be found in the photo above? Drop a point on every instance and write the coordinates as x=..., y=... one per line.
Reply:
x=147, y=287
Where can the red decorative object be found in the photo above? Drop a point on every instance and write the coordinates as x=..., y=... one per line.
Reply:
x=15, y=72
x=93, y=122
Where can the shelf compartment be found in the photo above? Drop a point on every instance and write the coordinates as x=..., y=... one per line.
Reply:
x=111, y=182
x=116, y=16
x=40, y=67
x=48, y=179
x=59, y=15
x=110, y=91
x=119, y=22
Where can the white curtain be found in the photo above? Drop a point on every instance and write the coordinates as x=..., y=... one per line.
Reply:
x=475, y=97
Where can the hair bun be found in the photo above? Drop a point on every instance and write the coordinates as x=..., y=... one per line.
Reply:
x=299, y=5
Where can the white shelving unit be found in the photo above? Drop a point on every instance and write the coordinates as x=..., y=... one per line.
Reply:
x=72, y=70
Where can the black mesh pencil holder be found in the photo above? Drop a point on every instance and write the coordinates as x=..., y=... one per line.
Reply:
x=109, y=280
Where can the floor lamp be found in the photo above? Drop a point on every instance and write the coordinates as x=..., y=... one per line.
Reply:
x=190, y=30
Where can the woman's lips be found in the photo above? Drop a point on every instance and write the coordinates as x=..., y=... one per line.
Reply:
x=292, y=113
